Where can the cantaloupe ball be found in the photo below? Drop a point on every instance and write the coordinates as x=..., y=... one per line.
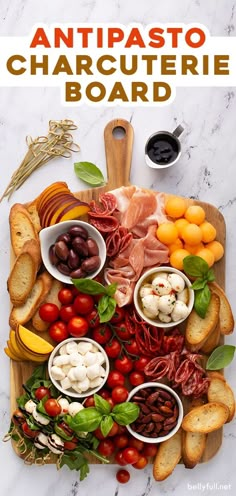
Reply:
x=208, y=232
x=194, y=248
x=192, y=234
x=175, y=207
x=180, y=224
x=207, y=255
x=177, y=257
x=195, y=214
x=216, y=248
x=167, y=233
x=175, y=246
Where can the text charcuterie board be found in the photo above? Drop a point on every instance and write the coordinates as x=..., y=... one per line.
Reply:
x=118, y=157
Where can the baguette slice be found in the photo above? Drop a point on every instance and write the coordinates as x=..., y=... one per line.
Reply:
x=22, y=314
x=193, y=447
x=24, y=272
x=219, y=390
x=226, y=315
x=21, y=227
x=198, y=329
x=32, y=210
x=52, y=297
x=167, y=457
x=206, y=418
x=212, y=341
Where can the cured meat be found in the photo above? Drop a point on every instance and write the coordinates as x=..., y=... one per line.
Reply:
x=142, y=204
x=108, y=201
x=105, y=224
x=117, y=241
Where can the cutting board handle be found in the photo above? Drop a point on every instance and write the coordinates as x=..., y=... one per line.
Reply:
x=118, y=137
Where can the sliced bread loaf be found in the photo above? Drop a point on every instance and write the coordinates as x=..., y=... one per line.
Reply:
x=219, y=390
x=206, y=418
x=52, y=297
x=193, y=447
x=21, y=227
x=167, y=457
x=198, y=329
x=226, y=315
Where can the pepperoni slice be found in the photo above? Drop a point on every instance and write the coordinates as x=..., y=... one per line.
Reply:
x=105, y=224
x=108, y=201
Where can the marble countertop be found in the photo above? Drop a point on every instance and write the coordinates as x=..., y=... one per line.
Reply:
x=205, y=171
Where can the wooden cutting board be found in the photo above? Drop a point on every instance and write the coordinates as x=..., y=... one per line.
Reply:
x=118, y=157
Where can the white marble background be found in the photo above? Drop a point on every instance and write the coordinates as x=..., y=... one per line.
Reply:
x=205, y=171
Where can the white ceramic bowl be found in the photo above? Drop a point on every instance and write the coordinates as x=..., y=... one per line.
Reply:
x=48, y=236
x=72, y=392
x=155, y=385
x=149, y=274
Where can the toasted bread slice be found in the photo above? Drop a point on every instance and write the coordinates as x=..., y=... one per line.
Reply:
x=212, y=341
x=219, y=390
x=215, y=373
x=193, y=447
x=21, y=227
x=167, y=457
x=32, y=210
x=226, y=315
x=206, y=418
x=52, y=297
x=198, y=329
x=24, y=272
x=22, y=314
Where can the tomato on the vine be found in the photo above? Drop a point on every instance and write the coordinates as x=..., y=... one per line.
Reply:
x=49, y=312
x=83, y=304
x=77, y=327
x=124, y=364
x=131, y=455
x=67, y=312
x=114, y=430
x=104, y=394
x=136, y=443
x=132, y=347
x=58, y=331
x=136, y=378
x=66, y=296
x=115, y=378
x=141, y=363
x=121, y=441
x=41, y=392
x=52, y=407
x=123, y=332
x=119, y=458
x=71, y=445
x=93, y=318
x=123, y=476
x=149, y=449
x=119, y=394
x=29, y=432
x=102, y=334
x=89, y=401
x=106, y=447
x=141, y=463
x=118, y=316
x=113, y=348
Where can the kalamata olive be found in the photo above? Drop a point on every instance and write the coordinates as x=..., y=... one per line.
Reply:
x=91, y=264
x=61, y=250
x=78, y=274
x=52, y=255
x=64, y=237
x=75, y=231
x=73, y=260
x=64, y=269
x=92, y=247
x=18, y=418
x=80, y=246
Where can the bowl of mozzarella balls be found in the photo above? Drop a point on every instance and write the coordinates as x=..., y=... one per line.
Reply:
x=78, y=367
x=163, y=297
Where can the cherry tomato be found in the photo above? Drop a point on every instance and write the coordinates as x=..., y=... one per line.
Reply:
x=70, y=445
x=77, y=327
x=42, y=391
x=119, y=394
x=136, y=378
x=150, y=449
x=141, y=463
x=118, y=316
x=89, y=401
x=123, y=476
x=123, y=332
x=119, y=458
x=113, y=348
x=18, y=418
x=114, y=430
x=98, y=434
x=115, y=378
x=75, y=292
x=83, y=304
x=52, y=407
x=58, y=331
x=141, y=363
x=65, y=428
x=132, y=347
x=111, y=402
x=136, y=443
x=131, y=455
x=106, y=447
x=67, y=312
x=93, y=318
x=104, y=394
x=29, y=432
x=102, y=334
x=66, y=296
x=49, y=312
x=121, y=441
x=124, y=364
x=122, y=429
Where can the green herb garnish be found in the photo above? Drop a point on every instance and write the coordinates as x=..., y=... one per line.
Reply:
x=221, y=357
x=107, y=304
x=195, y=266
x=89, y=173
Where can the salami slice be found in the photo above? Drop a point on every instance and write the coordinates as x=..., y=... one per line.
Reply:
x=109, y=203
x=105, y=224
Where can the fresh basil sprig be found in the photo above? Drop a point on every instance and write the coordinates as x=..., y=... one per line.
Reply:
x=89, y=173
x=106, y=304
x=221, y=357
x=195, y=266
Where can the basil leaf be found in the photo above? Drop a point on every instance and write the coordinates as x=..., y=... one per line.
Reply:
x=106, y=425
x=32, y=424
x=111, y=289
x=125, y=413
x=22, y=400
x=87, y=420
x=109, y=312
x=210, y=275
x=89, y=173
x=88, y=286
x=60, y=432
x=103, y=304
x=38, y=373
x=101, y=404
x=221, y=357
x=199, y=284
x=75, y=461
x=202, y=300
x=195, y=266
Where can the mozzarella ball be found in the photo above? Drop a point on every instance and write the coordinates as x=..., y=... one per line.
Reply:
x=41, y=441
x=166, y=303
x=74, y=408
x=83, y=385
x=64, y=404
x=66, y=368
x=30, y=406
x=145, y=290
x=93, y=371
x=71, y=374
x=161, y=286
x=94, y=349
x=71, y=347
x=183, y=296
x=163, y=317
x=62, y=350
x=177, y=282
x=150, y=304
x=90, y=358
x=102, y=372
x=76, y=359
x=80, y=372
x=163, y=275
x=66, y=383
x=96, y=382
x=83, y=347
x=100, y=357
x=148, y=314
x=180, y=311
x=57, y=373
x=61, y=360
